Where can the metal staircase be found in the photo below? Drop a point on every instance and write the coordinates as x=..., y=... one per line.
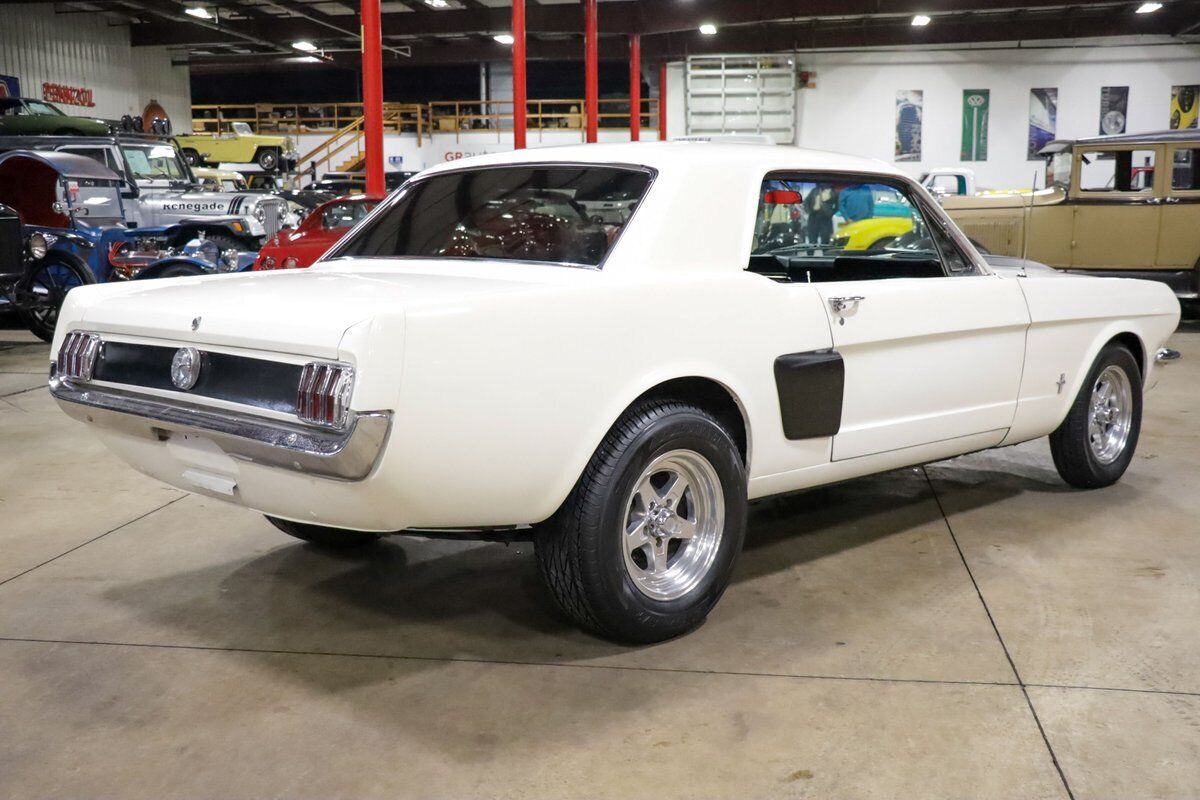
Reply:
x=345, y=144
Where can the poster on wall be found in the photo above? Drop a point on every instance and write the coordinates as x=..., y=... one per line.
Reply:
x=1114, y=103
x=1184, y=113
x=1043, y=120
x=975, y=124
x=909, y=110
x=10, y=86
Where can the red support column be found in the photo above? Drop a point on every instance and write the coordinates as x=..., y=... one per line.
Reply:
x=591, y=69
x=635, y=87
x=518, y=70
x=372, y=69
x=662, y=102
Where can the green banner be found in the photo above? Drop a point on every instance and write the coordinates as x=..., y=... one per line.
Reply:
x=975, y=124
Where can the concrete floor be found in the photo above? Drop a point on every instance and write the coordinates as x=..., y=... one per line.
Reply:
x=973, y=629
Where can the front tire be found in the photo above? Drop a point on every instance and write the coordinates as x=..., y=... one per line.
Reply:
x=40, y=295
x=1094, y=445
x=644, y=546
x=326, y=537
x=268, y=159
x=192, y=157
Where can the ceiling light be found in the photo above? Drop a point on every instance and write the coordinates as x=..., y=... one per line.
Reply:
x=437, y=3
x=920, y=20
x=504, y=38
x=305, y=47
x=1149, y=8
x=202, y=13
x=708, y=29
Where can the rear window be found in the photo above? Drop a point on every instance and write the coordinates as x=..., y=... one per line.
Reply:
x=514, y=213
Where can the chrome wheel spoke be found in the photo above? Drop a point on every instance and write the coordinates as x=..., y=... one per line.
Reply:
x=672, y=491
x=674, y=520
x=685, y=529
x=1111, y=414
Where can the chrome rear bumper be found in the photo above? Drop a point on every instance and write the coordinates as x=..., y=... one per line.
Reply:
x=348, y=454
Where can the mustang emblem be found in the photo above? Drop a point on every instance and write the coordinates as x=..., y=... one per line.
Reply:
x=185, y=368
x=196, y=323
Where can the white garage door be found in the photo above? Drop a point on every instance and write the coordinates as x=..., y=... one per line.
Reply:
x=741, y=94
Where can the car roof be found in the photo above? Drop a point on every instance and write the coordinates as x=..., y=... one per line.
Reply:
x=1154, y=137
x=680, y=154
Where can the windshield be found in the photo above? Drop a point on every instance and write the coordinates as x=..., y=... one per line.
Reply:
x=517, y=213
x=43, y=109
x=150, y=162
x=1058, y=170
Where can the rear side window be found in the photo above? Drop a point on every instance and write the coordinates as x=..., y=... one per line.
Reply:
x=816, y=228
x=535, y=213
x=1185, y=169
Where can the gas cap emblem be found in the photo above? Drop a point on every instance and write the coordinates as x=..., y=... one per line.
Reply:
x=185, y=368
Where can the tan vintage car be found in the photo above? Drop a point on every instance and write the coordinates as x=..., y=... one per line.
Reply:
x=1107, y=209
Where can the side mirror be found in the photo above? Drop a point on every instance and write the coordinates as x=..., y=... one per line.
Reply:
x=131, y=189
x=939, y=194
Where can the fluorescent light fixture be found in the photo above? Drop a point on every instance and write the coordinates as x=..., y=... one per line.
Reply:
x=437, y=3
x=708, y=29
x=920, y=20
x=504, y=38
x=199, y=12
x=305, y=47
x=1148, y=8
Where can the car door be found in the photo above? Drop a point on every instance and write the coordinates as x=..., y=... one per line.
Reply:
x=931, y=344
x=1179, y=228
x=1117, y=207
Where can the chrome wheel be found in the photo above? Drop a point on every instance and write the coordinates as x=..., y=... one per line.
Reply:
x=1111, y=414
x=673, y=524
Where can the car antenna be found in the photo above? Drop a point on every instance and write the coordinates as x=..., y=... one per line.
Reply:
x=1025, y=228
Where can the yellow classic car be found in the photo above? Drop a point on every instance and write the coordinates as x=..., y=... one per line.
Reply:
x=1126, y=205
x=238, y=145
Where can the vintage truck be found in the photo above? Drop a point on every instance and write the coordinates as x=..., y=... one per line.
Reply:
x=1107, y=209
x=238, y=145
x=160, y=189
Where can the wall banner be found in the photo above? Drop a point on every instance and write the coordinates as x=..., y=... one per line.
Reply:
x=1114, y=104
x=1043, y=120
x=909, y=112
x=1183, y=107
x=975, y=124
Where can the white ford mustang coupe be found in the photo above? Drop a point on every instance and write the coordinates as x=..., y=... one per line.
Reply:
x=481, y=354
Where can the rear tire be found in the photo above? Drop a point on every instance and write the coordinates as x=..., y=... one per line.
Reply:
x=645, y=544
x=1094, y=445
x=180, y=271
x=322, y=536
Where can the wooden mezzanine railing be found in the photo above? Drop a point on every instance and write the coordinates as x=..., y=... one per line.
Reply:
x=420, y=118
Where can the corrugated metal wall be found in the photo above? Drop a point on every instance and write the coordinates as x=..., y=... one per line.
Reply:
x=85, y=50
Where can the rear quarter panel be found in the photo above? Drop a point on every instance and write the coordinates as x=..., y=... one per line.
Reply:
x=503, y=401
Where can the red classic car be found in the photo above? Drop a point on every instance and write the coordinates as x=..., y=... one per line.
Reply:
x=308, y=241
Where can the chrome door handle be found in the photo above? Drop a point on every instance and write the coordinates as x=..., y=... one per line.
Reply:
x=840, y=304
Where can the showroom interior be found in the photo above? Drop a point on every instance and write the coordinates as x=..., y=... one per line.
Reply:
x=974, y=626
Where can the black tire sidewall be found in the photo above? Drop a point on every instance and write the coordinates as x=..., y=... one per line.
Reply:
x=612, y=590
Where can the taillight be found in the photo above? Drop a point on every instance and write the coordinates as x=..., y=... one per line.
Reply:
x=323, y=397
x=77, y=356
x=290, y=263
x=265, y=262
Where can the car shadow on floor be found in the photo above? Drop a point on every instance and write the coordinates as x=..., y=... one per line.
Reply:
x=435, y=599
